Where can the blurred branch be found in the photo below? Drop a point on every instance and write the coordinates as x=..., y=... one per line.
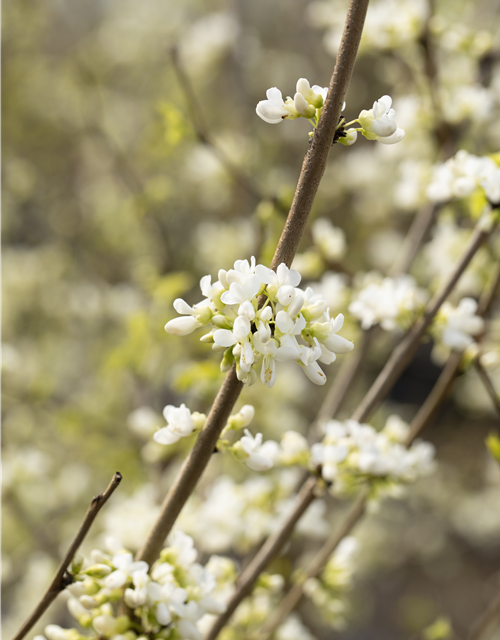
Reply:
x=267, y=552
x=203, y=134
x=38, y=532
x=486, y=621
x=485, y=379
x=62, y=579
x=421, y=224
x=293, y=597
x=345, y=376
x=312, y=171
x=403, y=353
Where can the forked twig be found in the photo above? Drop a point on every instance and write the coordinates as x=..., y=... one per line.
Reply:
x=62, y=579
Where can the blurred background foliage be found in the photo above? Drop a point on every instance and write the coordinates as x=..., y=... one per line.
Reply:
x=120, y=192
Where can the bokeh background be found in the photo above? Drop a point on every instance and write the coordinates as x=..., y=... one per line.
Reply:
x=134, y=164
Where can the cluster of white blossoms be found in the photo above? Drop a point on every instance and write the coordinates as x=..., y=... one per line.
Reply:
x=351, y=452
x=171, y=599
x=376, y=123
x=390, y=302
x=456, y=326
x=461, y=175
x=291, y=325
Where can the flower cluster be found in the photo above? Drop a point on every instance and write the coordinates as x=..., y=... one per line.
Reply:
x=249, y=333
x=376, y=123
x=461, y=175
x=172, y=598
x=390, y=302
x=351, y=452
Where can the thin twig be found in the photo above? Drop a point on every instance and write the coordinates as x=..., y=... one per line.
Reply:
x=486, y=621
x=357, y=509
x=403, y=353
x=267, y=552
x=61, y=579
x=202, y=132
x=314, y=163
x=488, y=385
x=421, y=224
x=312, y=171
x=293, y=597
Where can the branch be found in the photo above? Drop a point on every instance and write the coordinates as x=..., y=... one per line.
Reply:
x=294, y=596
x=403, y=353
x=421, y=224
x=314, y=163
x=486, y=621
x=61, y=579
x=267, y=552
x=203, y=134
x=485, y=379
x=312, y=170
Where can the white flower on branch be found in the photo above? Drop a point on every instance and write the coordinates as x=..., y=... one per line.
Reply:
x=378, y=123
x=257, y=455
x=456, y=327
x=180, y=424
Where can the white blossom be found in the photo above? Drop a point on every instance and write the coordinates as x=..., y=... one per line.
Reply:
x=259, y=456
x=378, y=123
x=275, y=109
x=180, y=424
x=456, y=327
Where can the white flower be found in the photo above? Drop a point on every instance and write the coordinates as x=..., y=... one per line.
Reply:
x=260, y=457
x=461, y=175
x=274, y=109
x=239, y=335
x=315, y=96
x=308, y=361
x=378, y=123
x=125, y=569
x=282, y=276
x=303, y=107
x=460, y=324
x=180, y=425
x=386, y=301
x=329, y=457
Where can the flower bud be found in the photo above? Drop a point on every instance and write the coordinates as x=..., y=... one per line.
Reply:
x=104, y=625
x=77, y=563
x=303, y=107
x=55, y=632
x=182, y=326
x=98, y=571
x=227, y=360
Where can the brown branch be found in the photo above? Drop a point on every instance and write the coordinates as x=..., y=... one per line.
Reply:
x=61, y=579
x=486, y=621
x=193, y=467
x=344, y=378
x=202, y=132
x=312, y=170
x=293, y=597
x=421, y=224
x=267, y=552
x=488, y=385
x=403, y=353
x=314, y=163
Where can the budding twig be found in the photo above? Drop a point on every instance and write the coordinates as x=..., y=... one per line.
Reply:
x=61, y=579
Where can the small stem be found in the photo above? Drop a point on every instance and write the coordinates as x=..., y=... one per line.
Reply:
x=294, y=596
x=402, y=354
x=267, y=552
x=488, y=385
x=421, y=224
x=344, y=378
x=202, y=132
x=59, y=581
x=486, y=621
